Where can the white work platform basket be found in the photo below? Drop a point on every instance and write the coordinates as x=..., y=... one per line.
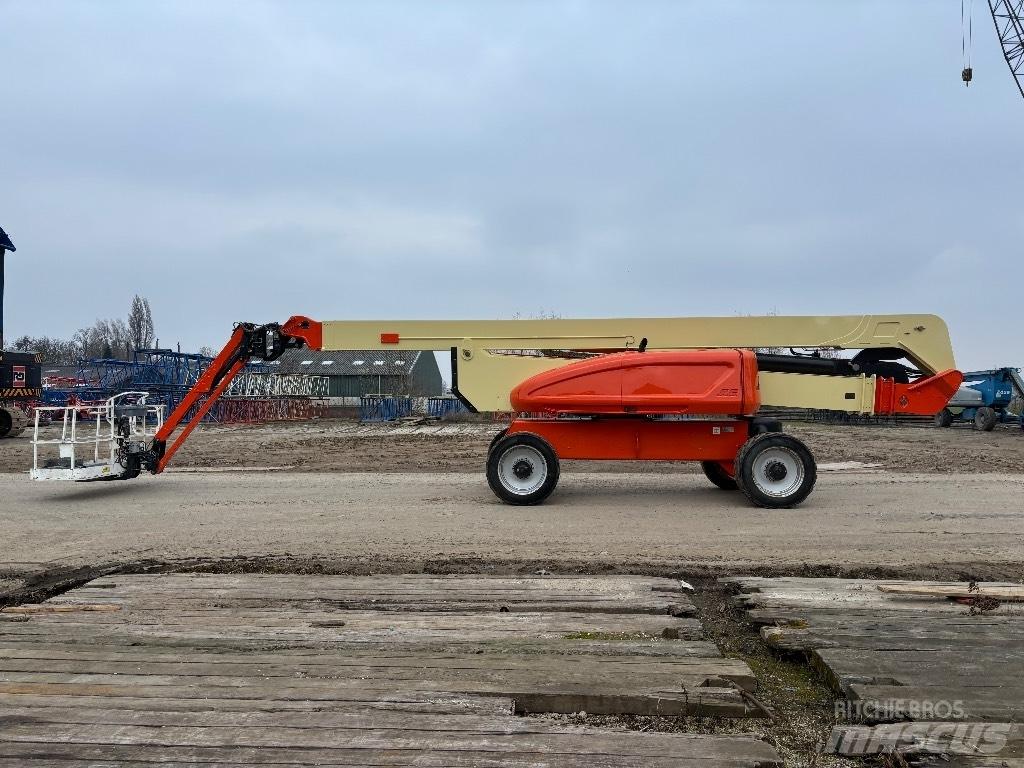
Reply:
x=95, y=440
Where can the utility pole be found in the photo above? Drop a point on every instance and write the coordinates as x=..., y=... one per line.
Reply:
x=5, y=246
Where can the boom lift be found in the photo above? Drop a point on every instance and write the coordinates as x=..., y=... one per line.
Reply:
x=681, y=389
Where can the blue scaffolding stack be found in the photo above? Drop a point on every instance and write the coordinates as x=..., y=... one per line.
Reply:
x=445, y=406
x=384, y=407
x=165, y=374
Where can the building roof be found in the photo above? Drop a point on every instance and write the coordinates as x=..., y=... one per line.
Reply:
x=370, y=362
x=5, y=241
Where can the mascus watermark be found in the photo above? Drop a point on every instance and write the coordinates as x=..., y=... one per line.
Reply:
x=933, y=738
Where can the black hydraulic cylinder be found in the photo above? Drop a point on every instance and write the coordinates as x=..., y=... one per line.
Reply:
x=822, y=366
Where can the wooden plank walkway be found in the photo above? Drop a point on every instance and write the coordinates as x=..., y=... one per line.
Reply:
x=907, y=651
x=383, y=671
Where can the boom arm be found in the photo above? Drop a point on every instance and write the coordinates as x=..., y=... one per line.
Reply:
x=484, y=372
x=491, y=357
x=248, y=341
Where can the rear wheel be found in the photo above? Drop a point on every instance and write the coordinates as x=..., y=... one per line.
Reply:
x=775, y=470
x=716, y=473
x=12, y=421
x=985, y=419
x=522, y=469
x=944, y=418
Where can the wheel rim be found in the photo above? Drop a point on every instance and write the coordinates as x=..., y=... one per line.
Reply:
x=522, y=470
x=778, y=472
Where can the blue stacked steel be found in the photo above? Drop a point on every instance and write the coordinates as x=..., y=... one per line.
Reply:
x=165, y=374
x=445, y=406
x=383, y=407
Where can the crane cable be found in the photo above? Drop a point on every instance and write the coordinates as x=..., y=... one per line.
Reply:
x=966, y=39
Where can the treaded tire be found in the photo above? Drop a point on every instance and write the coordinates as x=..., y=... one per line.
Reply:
x=541, y=457
x=13, y=422
x=715, y=472
x=944, y=418
x=786, y=450
x=985, y=419
x=495, y=440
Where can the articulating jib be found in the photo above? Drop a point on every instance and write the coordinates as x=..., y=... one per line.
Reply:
x=248, y=341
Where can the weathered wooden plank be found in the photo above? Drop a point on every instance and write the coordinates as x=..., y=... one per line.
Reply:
x=963, y=761
x=501, y=736
x=655, y=606
x=922, y=637
x=508, y=752
x=623, y=673
x=22, y=649
x=361, y=701
x=358, y=719
x=571, y=690
x=1007, y=592
x=960, y=617
x=890, y=609
x=61, y=607
x=913, y=667
x=895, y=649
x=564, y=697
x=617, y=594
x=352, y=621
x=388, y=671
x=378, y=667
x=900, y=702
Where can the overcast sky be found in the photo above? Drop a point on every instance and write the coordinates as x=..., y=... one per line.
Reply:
x=253, y=160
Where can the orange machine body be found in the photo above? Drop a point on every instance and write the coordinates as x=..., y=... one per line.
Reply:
x=627, y=439
x=701, y=381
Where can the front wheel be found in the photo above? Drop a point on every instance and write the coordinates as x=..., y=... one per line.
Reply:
x=944, y=418
x=775, y=470
x=522, y=469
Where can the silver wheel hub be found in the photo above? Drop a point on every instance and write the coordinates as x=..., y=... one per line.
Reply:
x=522, y=470
x=778, y=472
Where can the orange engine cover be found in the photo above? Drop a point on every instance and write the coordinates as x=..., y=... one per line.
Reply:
x=711, y=381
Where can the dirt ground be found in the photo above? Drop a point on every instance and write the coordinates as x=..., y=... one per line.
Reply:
x=337, y=497
x=396, y=496
x=344, y=446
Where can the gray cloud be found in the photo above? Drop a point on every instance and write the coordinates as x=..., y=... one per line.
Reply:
x=251, y=160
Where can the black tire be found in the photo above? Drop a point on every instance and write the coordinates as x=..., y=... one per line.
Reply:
x=132, y=469
x=985, y=419
x=944, y=418
x=6, y=422
x=715, y=472
x=763, y=465
x=537, y=462
x=495, y=440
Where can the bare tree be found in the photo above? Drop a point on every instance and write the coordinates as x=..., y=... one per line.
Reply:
x=140, y=324
x=106, y=338
x=50, y=351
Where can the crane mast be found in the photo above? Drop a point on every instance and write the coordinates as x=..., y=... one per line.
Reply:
x=1008, y=17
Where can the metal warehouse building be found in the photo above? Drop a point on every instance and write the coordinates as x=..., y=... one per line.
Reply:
x=354, y=374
